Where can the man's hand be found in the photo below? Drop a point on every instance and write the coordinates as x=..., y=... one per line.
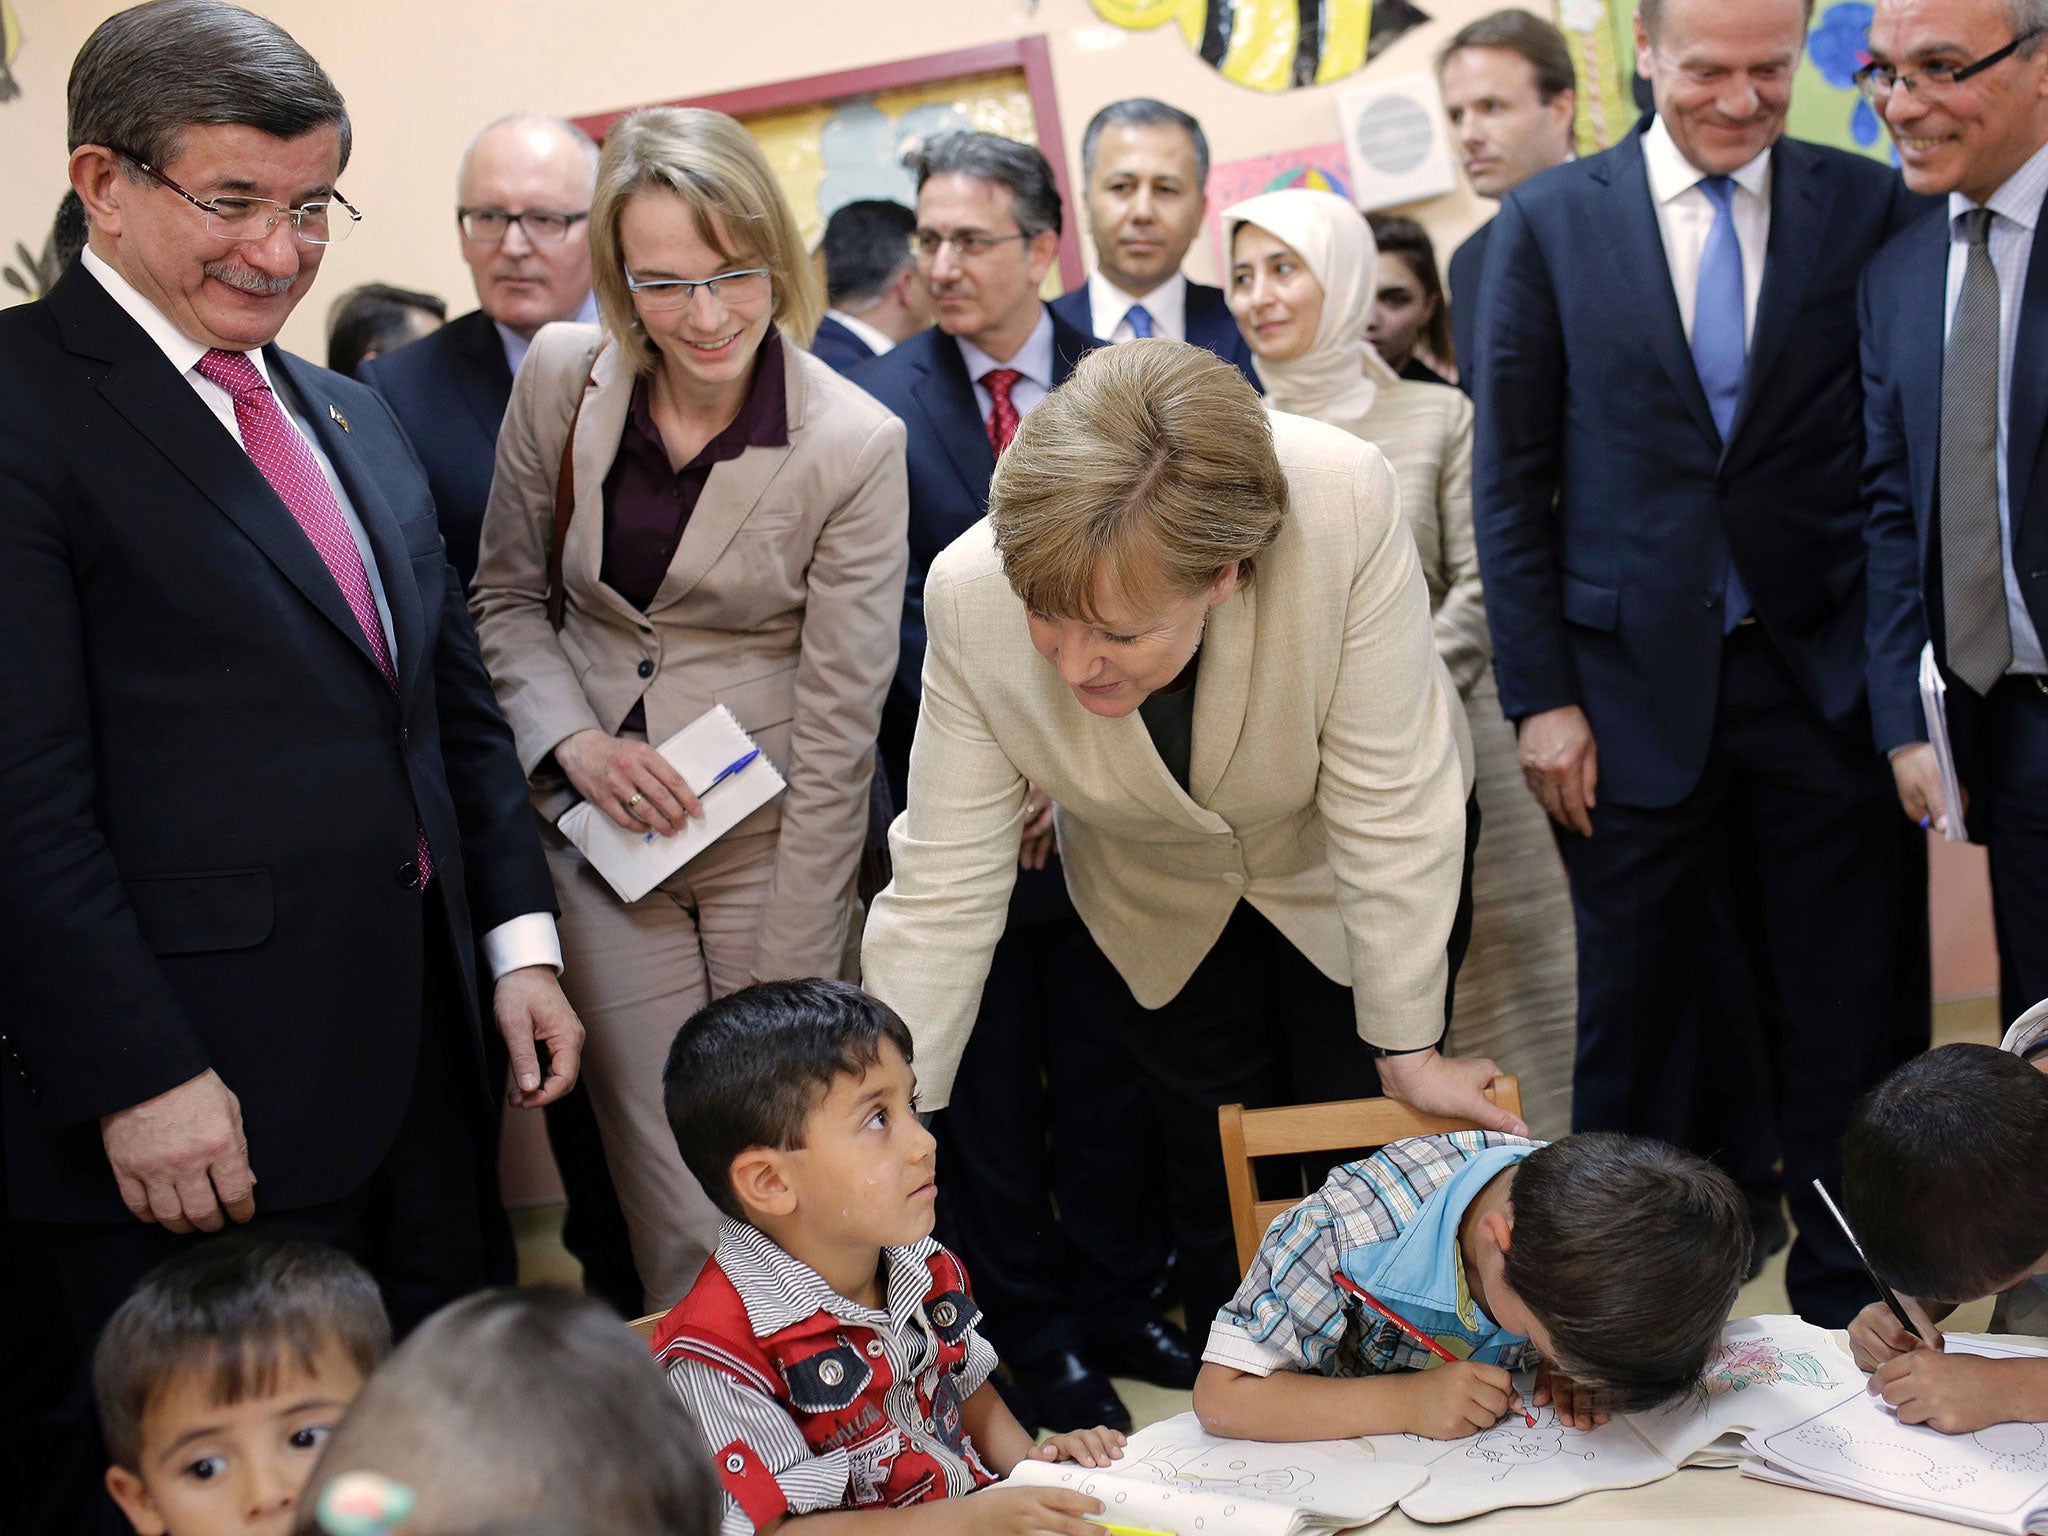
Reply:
x=1096, y=1447
x=1578, y=1406
x=532, y=1012
x=180, y=1158
x=1875, y=1335
x=1918, y=777
x=1561, y=765
x=1039, y=836
x=1005, y=1511
x=1452, y=1086
x=1448, y=1402
x=1952, y=1393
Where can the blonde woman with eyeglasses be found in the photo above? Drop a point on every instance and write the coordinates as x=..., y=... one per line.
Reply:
x=689, y=509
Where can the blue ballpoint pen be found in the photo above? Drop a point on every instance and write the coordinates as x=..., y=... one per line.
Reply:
x=727, y=772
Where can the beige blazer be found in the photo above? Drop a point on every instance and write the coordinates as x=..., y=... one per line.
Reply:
x=1325, y=784
x=782, y=603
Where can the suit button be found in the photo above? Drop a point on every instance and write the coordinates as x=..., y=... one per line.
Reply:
x=409, y=873
x=646, y=669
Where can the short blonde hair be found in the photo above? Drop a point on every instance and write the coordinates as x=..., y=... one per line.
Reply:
x=1152, y=466
x=713, y=165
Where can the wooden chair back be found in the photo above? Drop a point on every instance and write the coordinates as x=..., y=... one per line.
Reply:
x=645, y=1326
x=1294, y=1129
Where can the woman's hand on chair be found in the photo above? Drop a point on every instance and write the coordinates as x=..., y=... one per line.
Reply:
x=628, y=780
x=1452, y=1086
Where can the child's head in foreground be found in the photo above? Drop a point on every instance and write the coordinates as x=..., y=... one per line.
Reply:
x=1626, y=1255
x=220, y=1379
x=529, y=1405
x=794, y=1104
x=1943, y=1173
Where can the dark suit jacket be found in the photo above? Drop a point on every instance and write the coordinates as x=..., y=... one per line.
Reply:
x=208, y=792
x=448, y=391
x=1606, y=503
x=1903, y=317
x=838, y=347
x=1209, y=322
x=1468, y=261
x=924, y=381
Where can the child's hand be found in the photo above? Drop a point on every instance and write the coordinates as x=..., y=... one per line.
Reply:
x=1875, y=1335
x=1449, y=1402
x=1004, y=1511
x=1580, y=1407
x=1096, y=1447
x=1952, y=1393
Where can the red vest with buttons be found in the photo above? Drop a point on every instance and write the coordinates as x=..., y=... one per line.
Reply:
x=833, y=1379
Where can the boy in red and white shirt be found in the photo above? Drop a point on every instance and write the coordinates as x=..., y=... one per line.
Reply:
x=828, y=1350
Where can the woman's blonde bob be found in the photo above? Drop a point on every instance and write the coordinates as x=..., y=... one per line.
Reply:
x=714, y=166
x=1143, y=476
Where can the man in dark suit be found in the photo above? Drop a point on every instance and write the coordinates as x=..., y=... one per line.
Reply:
x=871, y=283
x=1147, y=164
x=1047, y=1134
x=1670, y=532
x=1955, y=361
x=1510, y=95
x=260, y=809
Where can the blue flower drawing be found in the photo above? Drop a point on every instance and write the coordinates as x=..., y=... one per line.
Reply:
x=1838, y=46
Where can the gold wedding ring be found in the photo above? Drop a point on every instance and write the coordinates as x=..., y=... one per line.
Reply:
x=637, y=798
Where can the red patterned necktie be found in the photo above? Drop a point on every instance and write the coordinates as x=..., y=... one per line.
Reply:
x=1002, y=415
x=276, y=448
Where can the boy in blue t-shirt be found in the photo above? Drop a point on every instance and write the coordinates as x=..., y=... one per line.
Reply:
x=1612, y=1259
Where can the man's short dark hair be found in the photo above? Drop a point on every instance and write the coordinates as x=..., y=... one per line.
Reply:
x=1652, y=12
x=991, y=157
x=148, y=73
x=748, y=1070
x=69, y=230
x=866, y=244
x=1525, y=33
x=1945, y=1172
x=234, y=1308
x=1145, y=112
x=375, y=318
x=1629, y=1252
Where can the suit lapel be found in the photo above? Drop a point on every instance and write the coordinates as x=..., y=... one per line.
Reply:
x=1221, y=690
x=1923, y=325
x=600, y=421
x=946, y=396
x=2028, y=404
x=1802, y=195
x=483, y=378
x=1069, y=346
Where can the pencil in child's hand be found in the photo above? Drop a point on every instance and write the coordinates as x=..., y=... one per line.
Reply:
x=1883, y=1290
x=1351, y=1287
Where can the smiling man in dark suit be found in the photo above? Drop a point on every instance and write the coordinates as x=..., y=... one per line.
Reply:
x=1670, y=529
x=259, y=810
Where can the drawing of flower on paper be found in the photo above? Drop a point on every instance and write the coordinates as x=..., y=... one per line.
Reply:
x=1745, y=1363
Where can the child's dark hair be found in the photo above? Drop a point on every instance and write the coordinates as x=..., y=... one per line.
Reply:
x=1942, y=1172
x=748, y=1070
x=233, y=1307
x=1629, y=1252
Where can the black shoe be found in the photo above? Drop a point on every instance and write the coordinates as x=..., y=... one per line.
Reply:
x=1768, y=1234
x=1149, y=1348
x=1069, y=1393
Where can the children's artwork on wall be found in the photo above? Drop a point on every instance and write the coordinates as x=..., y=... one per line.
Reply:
x=1398, y=144
x=10, y=49
x=1319, y=168
x=1275, y=45
x=1602, y=38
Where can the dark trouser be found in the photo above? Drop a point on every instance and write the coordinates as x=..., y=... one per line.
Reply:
x=1048, y=1160
x=418, y=1225
x=2016, y=757
x=1793, y=839
x=594, y=1228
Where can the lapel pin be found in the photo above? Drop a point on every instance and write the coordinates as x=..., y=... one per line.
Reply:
x=339, y=419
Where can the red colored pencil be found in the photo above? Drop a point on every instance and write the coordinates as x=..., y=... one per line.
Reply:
x=1347, y=1284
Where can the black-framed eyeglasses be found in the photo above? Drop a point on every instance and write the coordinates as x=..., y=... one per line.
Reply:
x=543, y=226
x=1876, y=81
x=736, y=289
x=253, y=218
x=926, y=244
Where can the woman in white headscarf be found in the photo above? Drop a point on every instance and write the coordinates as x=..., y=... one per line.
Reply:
x=1301, y=285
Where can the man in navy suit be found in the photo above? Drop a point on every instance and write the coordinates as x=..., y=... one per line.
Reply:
x=1510, y=94
x=1955, y=360
x=871, y=283
x=1670, y=529
x=1147, y=164
x=1048, y=1134
x=269, y=855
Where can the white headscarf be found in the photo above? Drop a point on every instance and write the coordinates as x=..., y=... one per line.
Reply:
x=1338, y=377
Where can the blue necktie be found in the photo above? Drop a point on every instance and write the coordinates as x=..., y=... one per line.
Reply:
x=1139, y=319
x=1720, y=350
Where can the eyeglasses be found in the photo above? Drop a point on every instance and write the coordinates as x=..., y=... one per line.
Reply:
x=543, y=226
x=253, y=218
x=926, y=244
x=1875, y=81
x=736, y=290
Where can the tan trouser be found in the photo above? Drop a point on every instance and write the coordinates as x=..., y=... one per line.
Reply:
x=634, y=974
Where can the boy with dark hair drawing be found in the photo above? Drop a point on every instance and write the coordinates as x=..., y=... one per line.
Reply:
x=828, y=1350
x=1614, y=1258
x=1945, y=1179
x=220, y=1379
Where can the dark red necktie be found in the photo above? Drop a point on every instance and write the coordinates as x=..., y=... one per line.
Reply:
x=1002, y=415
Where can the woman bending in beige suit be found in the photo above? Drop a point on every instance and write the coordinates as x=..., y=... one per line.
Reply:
x=735, y=534
x=1301, y=285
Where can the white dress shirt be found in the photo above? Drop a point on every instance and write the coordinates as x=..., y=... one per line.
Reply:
x=1685, y=214
x=878, y=341
x=529, y=939
x=2016, y=211
x=1109, y=307
x=515, y=345
x=1033, y=360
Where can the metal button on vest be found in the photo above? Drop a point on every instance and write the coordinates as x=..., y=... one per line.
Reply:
x=875, y=1348
x=409, y=872
x=831, y=1373
x=646, y=668
x=945, y=1314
